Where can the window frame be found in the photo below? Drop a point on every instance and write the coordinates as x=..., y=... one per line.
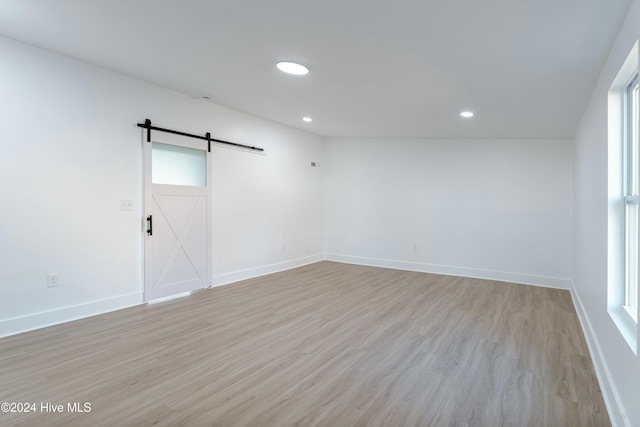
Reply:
x=617, y=198
x=631, y=182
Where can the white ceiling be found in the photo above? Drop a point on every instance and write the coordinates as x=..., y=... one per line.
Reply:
x=379, y=68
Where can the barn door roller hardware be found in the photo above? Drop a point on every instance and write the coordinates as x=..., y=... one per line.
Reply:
x=149, y=127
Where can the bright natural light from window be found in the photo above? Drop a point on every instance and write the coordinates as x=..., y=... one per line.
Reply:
x=632, y=196
x=466, y=114
x=292, y=68
x=307, y=119
x=623, y=201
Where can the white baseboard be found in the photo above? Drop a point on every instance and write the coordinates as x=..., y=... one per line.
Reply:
x=236, y=276
x=610, y=394
x=67, y=314
x=502, y=276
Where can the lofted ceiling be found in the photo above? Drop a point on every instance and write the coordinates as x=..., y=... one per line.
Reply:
x=379, y=68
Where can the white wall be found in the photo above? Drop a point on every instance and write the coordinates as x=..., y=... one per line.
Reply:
x=498, y=209
x=70, y=151
x=618, y=368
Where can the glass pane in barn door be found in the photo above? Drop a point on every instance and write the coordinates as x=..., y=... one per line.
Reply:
x=176, y=165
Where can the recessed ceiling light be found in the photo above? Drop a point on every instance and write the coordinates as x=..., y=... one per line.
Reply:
x=307, y=119
x=292, y=68
x=466, y=114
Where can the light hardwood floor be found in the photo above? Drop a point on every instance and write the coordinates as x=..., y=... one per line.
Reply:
x=328, y=344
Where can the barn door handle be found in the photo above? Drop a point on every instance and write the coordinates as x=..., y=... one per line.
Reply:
x=150, y=229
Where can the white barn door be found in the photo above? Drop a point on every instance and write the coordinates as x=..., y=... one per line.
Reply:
x=177, y=248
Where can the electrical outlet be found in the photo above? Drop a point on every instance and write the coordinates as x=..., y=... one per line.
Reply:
x=53, y=280
x=415, y=247
x=283, y=247
x=126, y=205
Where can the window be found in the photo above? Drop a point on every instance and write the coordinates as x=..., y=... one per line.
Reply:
x=623, y=190
x=632, y=195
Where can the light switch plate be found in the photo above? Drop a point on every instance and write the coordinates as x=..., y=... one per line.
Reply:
x=126, y=205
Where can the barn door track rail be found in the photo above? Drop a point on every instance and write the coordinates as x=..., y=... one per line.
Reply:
x=149, y=127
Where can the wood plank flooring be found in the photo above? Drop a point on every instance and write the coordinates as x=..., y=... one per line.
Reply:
x=328, y=344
